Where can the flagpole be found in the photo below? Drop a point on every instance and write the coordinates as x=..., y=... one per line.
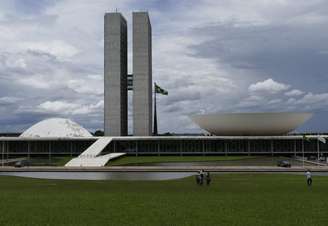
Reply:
x=155, y=113
x=318, y=147
x=303, y=151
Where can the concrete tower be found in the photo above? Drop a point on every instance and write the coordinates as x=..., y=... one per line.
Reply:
x=115, y=75
x=142, y=75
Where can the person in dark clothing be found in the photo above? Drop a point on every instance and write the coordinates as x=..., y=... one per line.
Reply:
x=198, y=179
x=201, y=173
x=208, y=178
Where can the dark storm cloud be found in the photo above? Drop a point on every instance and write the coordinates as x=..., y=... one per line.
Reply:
x=205, y=53
x=30, y=78
x=19, y=122
x=293, y=54
x=182, y=95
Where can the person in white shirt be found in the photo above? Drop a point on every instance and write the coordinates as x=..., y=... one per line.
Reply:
x=200, y=177
x=308, y=177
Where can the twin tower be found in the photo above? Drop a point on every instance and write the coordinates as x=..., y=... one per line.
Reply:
x=116, y=75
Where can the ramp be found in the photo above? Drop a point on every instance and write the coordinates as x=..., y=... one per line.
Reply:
x=97, y=147
x=89, y=161
x=91, y=157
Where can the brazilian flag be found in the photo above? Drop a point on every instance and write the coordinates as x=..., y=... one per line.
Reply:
x=306, y=138
x=159, y=90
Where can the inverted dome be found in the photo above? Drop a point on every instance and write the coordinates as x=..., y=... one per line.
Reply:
x=56, y=127
x=261, y=124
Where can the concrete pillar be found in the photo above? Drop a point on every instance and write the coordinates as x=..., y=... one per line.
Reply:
x=294, y=148
x=115, y=75
x=142, y=75
x=248, y=147
x=225, y=147
x=203, y=147
x=71, y=148
x=28, y=150
x=7, y=149
x=3, y=153
x=181, y=147
x=49, y=151
x=136, y=148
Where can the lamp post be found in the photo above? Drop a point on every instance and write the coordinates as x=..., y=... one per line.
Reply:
x=303, y=151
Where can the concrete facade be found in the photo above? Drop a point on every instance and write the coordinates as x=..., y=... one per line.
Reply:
x=115, y=75
x=142, y=75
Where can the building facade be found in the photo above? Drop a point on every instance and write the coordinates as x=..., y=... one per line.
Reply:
x=142, y=75
x=115, y=75
x=293, y=145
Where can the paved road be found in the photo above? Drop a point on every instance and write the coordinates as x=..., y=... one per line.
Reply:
x=166, y=169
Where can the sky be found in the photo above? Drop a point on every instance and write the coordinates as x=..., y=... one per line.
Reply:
x=212, y=56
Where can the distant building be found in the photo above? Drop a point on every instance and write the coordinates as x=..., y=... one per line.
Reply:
x=230, y=133
x=115, y=75
x=56, y=127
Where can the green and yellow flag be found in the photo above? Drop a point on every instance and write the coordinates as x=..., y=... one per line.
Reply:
x=159, y=90
x=306, y=138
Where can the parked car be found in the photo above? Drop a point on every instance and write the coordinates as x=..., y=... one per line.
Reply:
x=312, y=158
x=284, y=163
x=22, y=163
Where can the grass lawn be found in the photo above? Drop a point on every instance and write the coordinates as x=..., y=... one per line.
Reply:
x=200, y=160
x=232, y=199
x=133, y=160
x=54, y=161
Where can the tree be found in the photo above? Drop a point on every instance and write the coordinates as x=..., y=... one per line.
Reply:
x=99, y=133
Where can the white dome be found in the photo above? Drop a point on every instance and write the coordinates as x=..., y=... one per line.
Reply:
x=238, y=124
x=56, y=127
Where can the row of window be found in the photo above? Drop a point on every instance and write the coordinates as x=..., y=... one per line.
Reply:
x=193, y=146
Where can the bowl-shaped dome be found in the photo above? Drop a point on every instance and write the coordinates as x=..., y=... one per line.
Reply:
x=56, y=127
x=247, y=124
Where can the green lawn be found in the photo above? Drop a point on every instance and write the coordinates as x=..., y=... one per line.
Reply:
x=53, y=161
x=201, y=160
x=232, y=199
x=140, y=160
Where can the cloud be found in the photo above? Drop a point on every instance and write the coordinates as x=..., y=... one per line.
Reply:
x=67, y=108
x=250, y=101
x=9, y=100
x=58, y=48
x=31, y=6
x=294, y=92
x=92, y=84
x=314, y=100
x=52, y=58
x=269, y=86
x=36, y=81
